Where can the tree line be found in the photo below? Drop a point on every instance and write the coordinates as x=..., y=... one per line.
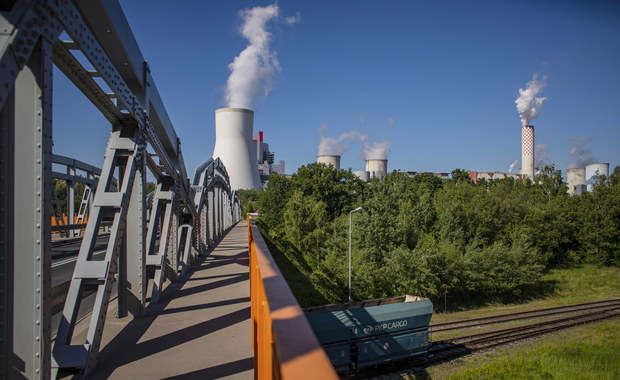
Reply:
x=468, y=243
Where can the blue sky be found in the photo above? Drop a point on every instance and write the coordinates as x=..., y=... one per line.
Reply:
x=445, y=72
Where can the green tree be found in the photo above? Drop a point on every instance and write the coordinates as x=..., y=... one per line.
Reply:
x=306, y=225
x=549, y=179
x=339, y=189
x=273, y=201
x=249, y=200
x=460, y=175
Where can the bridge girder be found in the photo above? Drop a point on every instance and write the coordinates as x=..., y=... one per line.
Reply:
x=193, y=218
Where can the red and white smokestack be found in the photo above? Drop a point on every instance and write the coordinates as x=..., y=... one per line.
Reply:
x=527, y=151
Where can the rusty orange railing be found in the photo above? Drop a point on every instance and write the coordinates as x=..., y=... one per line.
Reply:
x=284, y=344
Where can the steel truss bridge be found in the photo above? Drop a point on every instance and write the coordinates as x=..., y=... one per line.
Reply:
x=151, y=238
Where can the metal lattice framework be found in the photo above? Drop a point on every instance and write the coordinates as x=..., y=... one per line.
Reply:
x=185, y=219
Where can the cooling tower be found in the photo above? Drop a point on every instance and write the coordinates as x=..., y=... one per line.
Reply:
x=376, y=168
x=233, y=145
x=592, y=170
x=362, y=174
x=575, y=178
x=329, y=159
x=527, y=151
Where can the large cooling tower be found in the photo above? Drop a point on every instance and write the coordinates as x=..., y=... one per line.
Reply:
x=362, y=174
x=376, y=168
x=329, y=159
x=233, y=145
x=527, y=151
x=593, y=170
x=575, y=178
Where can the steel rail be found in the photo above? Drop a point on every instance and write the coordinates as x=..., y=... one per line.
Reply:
x=504, y=332
x=466, y=323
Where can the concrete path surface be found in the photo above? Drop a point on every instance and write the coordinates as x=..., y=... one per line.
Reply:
x=201, y=328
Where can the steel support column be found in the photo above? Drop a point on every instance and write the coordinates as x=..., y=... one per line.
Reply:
x=211, y=216
x=172, y=249
x=121, y=153
x=25, y=212
x=134, y=288
x=70, y=200
x=161, y=218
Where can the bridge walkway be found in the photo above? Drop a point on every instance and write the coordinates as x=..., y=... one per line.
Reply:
x=200, y=329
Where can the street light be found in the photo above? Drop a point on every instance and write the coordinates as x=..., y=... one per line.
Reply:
x=350, y=230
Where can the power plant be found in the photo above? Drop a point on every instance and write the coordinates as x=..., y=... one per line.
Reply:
x=363, y=175
x=329, y=159
x=576, y=180
x=376, y=168
x=233, y=138
x=527, y=151
x=593, y=171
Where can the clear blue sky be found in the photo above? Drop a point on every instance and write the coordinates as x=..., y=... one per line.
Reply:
x=447, y=73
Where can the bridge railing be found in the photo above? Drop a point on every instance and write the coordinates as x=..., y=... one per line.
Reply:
x=284, y=344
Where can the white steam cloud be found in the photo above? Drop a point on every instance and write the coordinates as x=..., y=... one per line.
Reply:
x=580, y=152
x=512, y=166
x=542, y=156
x=528, y=104
x=253, y=69
x=338, y=145
x=377, y=151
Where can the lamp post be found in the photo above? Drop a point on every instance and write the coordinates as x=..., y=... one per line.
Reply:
x=350, y=244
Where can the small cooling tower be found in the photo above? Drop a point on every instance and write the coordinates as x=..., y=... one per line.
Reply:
x=362, y=174
x=527, y=151
x=329, y=159
x=376, y=168
x=575, y=179
x=233, y=145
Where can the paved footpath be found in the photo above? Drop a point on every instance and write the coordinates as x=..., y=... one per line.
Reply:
x=201, y=328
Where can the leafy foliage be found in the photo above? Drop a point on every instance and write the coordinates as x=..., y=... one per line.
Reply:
x=483, y=242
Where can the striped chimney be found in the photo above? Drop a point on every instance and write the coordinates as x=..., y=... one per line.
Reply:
x=527, y=151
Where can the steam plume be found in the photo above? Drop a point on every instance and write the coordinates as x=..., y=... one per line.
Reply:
x=377, y=151
x=512, y=166
x=580, y=152
x=542, y=155
x=253, y=69
x=339, y=145
x=528, y=105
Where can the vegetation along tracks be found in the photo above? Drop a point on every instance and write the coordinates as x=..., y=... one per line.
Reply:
x=466, y=323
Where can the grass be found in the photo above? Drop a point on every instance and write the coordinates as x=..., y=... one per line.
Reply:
x=589, y=352
x=576, y=285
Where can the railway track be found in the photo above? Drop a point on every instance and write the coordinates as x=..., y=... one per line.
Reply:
x=450, y=349
x=458, y=325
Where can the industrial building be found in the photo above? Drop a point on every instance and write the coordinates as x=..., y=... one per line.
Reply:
x=492, y=176
x=329, y=159
x=233, y=136
x=247, y=157
x=584, y=179
x=265, y=159
x=442, y=176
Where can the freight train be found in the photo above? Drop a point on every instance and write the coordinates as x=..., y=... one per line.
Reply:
x=361, y=334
